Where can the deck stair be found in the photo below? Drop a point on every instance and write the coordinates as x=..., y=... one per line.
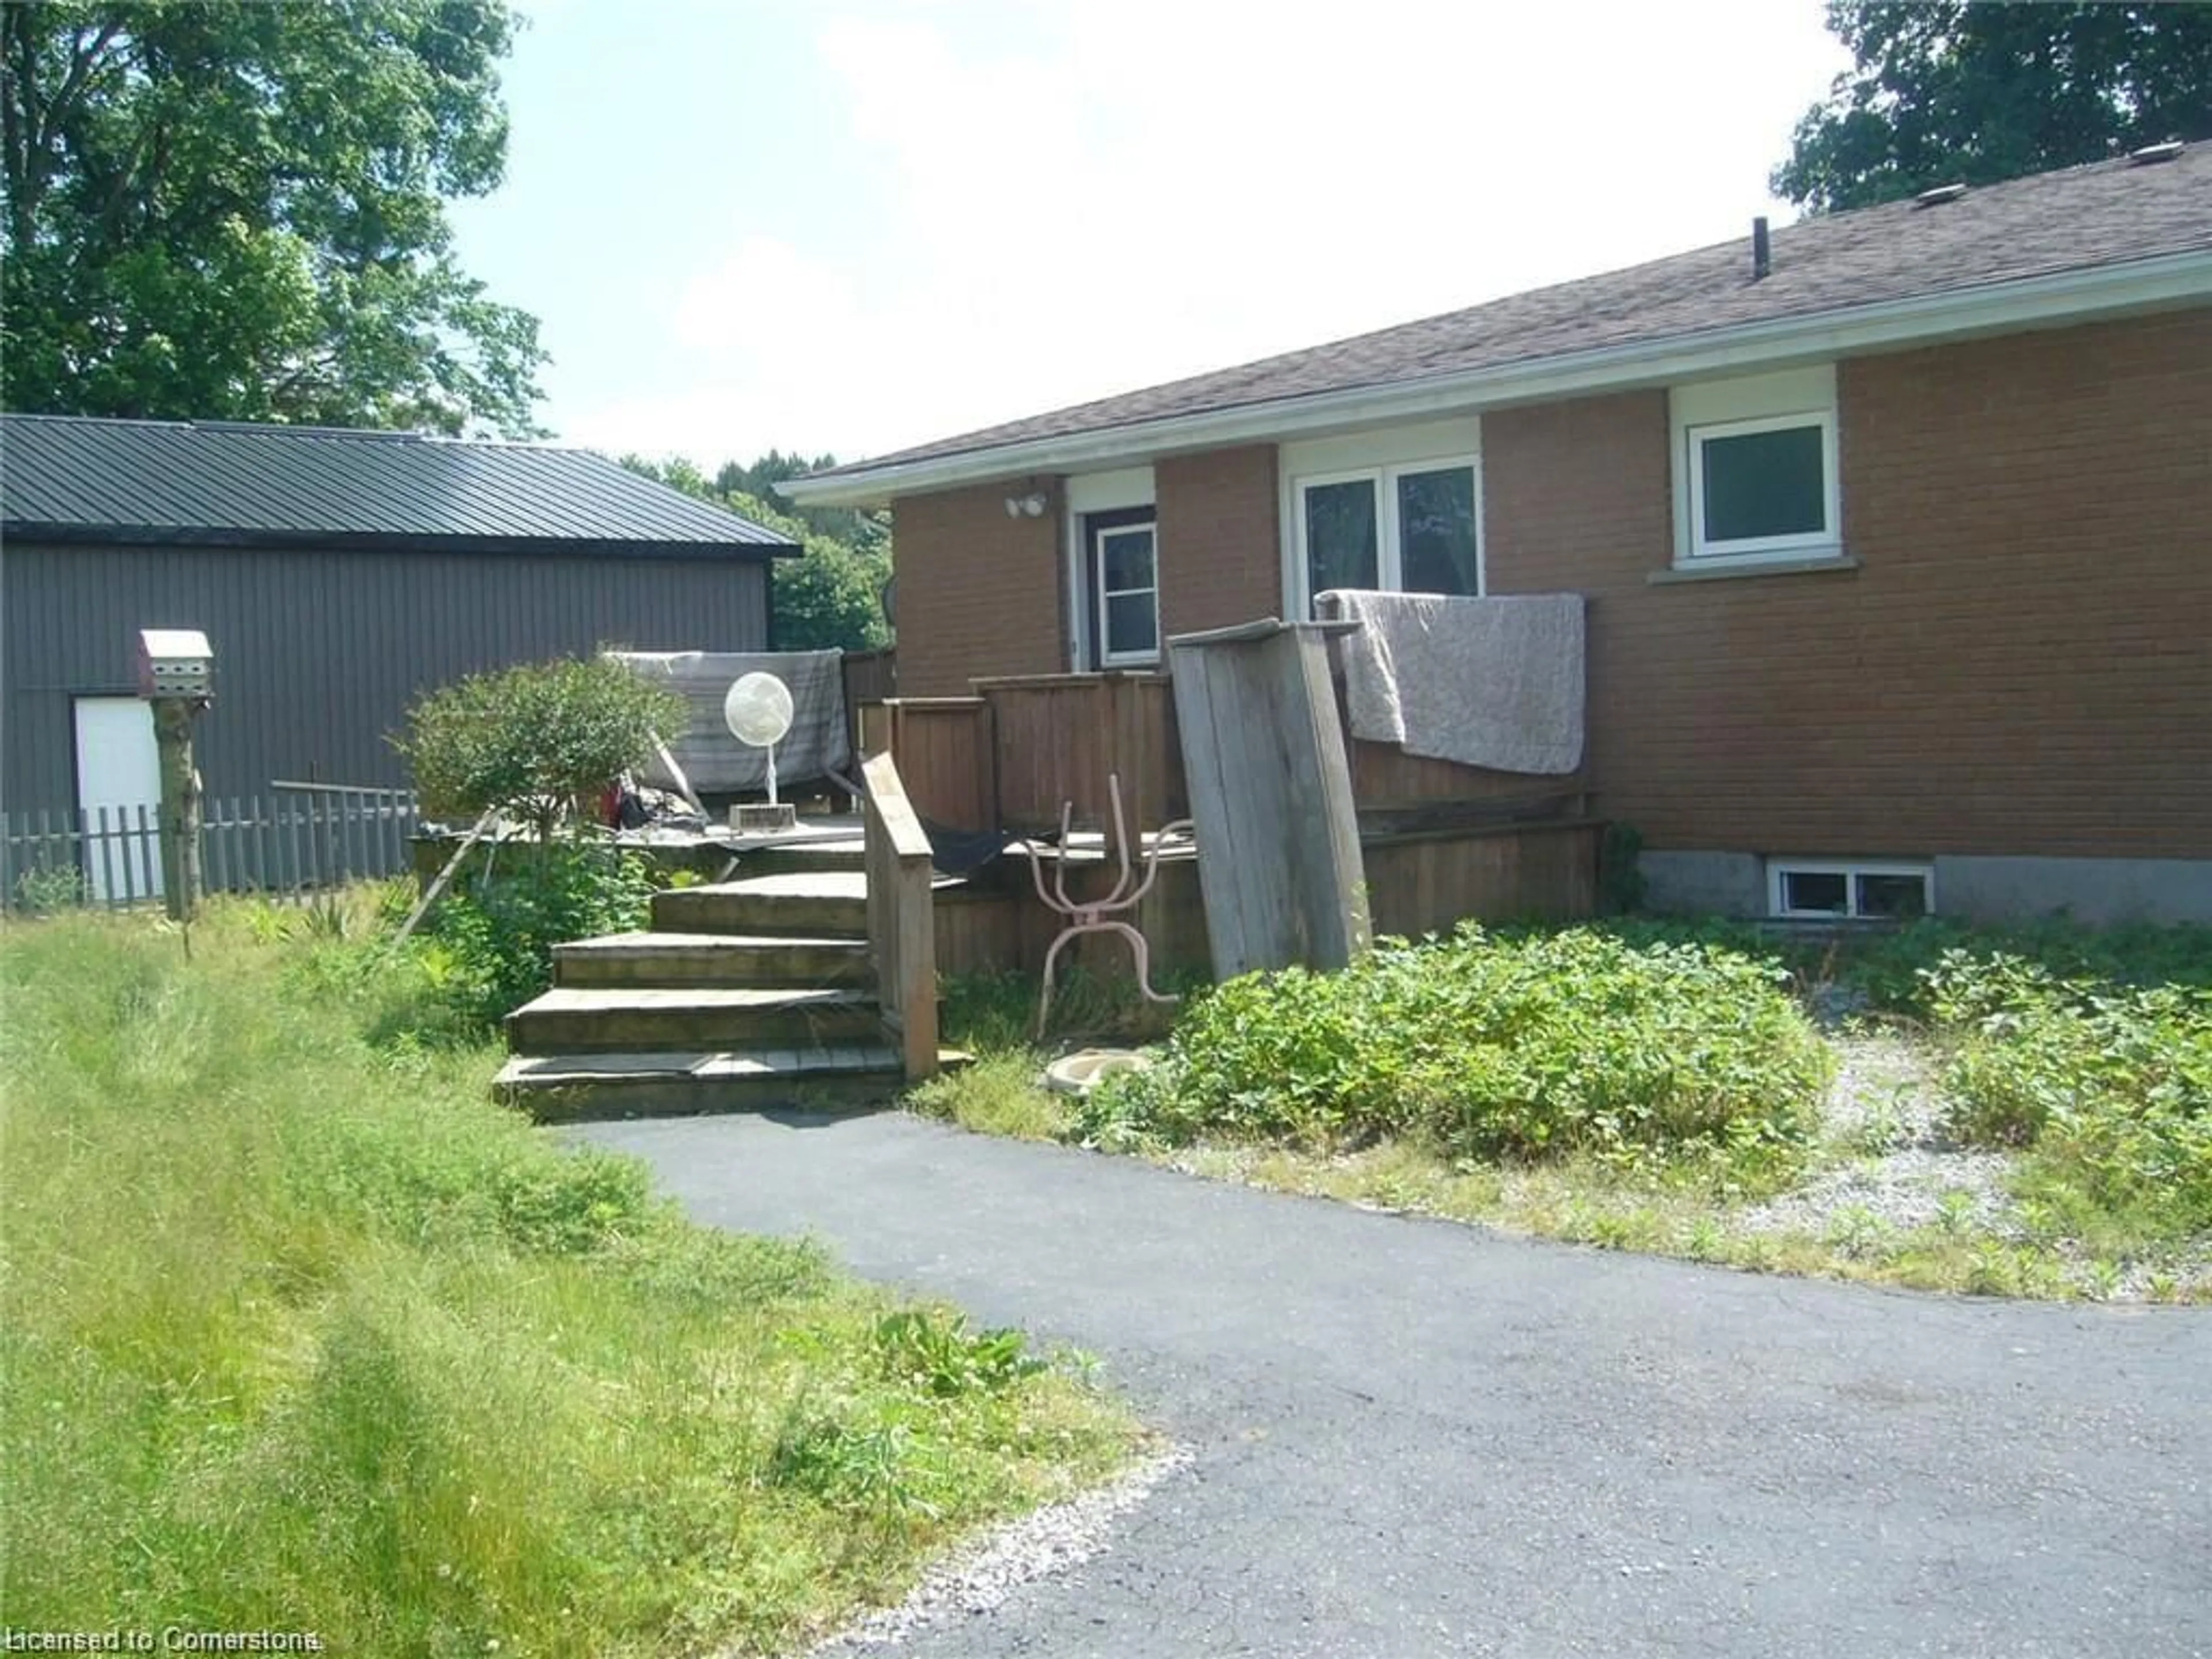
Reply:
x=742, y=995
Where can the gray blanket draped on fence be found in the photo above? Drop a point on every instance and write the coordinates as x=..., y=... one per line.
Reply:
x=818, y=746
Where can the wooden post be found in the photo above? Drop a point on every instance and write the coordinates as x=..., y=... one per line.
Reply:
x=901, y=919
x=181, y=806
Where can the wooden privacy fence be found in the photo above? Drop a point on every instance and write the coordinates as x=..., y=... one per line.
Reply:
x=295, y=839
x=1058, y=738
x=1008, y=756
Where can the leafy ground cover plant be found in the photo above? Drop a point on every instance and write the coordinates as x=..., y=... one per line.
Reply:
x=1885, y=970
x=1482, y=1046
x=299, y=1331
x=2108, y=1088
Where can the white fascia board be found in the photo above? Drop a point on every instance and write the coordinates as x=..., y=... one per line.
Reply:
x=2034, y=302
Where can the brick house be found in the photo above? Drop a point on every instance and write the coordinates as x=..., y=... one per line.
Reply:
x=1895, y=530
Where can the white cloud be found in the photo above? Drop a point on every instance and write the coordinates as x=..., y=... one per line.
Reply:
x=1115, y=195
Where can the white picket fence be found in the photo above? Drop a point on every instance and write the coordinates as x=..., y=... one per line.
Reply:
x=294, y=840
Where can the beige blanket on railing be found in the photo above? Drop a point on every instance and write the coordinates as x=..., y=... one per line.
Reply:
x=1493, y=682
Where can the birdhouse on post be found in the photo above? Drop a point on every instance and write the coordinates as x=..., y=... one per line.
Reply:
x=175, y=662
x=176, y=674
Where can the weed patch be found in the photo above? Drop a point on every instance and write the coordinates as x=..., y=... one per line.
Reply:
x=1486, y=1047
x=299, y=1331
x=2108, y=1088
x=1649, y=1085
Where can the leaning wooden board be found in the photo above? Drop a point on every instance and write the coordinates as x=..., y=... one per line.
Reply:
x=1279, y=861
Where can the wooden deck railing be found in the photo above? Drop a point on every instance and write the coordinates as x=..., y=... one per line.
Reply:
x=1443, y=840
x=1058, y=737
x=943, y=749
x=902, y=920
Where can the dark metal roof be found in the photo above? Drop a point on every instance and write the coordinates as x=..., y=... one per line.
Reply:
x=2104, y=213
x=231, y=485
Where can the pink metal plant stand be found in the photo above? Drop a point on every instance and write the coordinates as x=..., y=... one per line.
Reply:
x=1099, y=916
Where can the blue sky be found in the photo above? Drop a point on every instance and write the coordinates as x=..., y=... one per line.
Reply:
x=852, y=225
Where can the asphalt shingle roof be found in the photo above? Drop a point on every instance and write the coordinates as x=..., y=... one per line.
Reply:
x=229, y=483
x=2107, y=213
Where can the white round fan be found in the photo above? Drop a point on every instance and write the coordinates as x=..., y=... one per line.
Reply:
x=758, y=712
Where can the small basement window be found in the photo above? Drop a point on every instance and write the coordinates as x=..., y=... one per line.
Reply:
x=1850, y=891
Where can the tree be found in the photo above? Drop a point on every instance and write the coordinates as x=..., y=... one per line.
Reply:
x=831, y=598
x=862, y=531
x=1943, y=90
x=234, y=208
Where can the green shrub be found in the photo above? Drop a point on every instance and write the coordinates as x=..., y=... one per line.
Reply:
x=534, y=741
x=2109, y=1088
x=492, y=944
x=1486, y=1046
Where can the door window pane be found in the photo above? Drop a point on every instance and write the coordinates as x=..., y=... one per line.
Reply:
x=1340, y=536
x=1132, y=625
x=1128, y=560
x=1436, y=531
x=1759, y=484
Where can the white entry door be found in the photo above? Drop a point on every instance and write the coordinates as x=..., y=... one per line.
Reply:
x=118, y=768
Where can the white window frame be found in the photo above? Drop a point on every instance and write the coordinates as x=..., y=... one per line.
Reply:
x=1787, y=401
x=1107, y=656
x=1389, y=550
x=1850, y=869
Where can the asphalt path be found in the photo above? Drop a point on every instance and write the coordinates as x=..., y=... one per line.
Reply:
x=1414, y=1438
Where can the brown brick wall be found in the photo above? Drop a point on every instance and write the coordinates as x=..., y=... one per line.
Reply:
x=2022, y=665
x=978, y=593
x=1219, y=547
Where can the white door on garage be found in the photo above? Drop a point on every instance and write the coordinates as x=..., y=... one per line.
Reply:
x=118, y=768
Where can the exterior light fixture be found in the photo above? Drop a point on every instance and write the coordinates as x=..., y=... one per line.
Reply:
x=1031, y=505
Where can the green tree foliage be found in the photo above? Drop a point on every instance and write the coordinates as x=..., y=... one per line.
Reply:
x=534, y=741
x=830, y=599
x=234, y=208
x=863, y=531
x=1943, y=90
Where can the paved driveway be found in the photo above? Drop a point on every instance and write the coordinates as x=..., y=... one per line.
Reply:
x=1417, y=1438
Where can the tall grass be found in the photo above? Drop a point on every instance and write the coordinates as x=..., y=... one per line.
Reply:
x=300, y=1333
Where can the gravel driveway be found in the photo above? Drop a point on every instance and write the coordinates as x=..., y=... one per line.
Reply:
x=1417, y=1438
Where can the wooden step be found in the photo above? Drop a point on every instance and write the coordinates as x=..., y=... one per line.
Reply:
x=572, y=1087
x=786, y=859
x=711, y=959
x=801, y=904
x=571, y=1019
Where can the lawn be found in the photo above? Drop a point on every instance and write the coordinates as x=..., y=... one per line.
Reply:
x=2022, y=1112
x=300, y=1333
